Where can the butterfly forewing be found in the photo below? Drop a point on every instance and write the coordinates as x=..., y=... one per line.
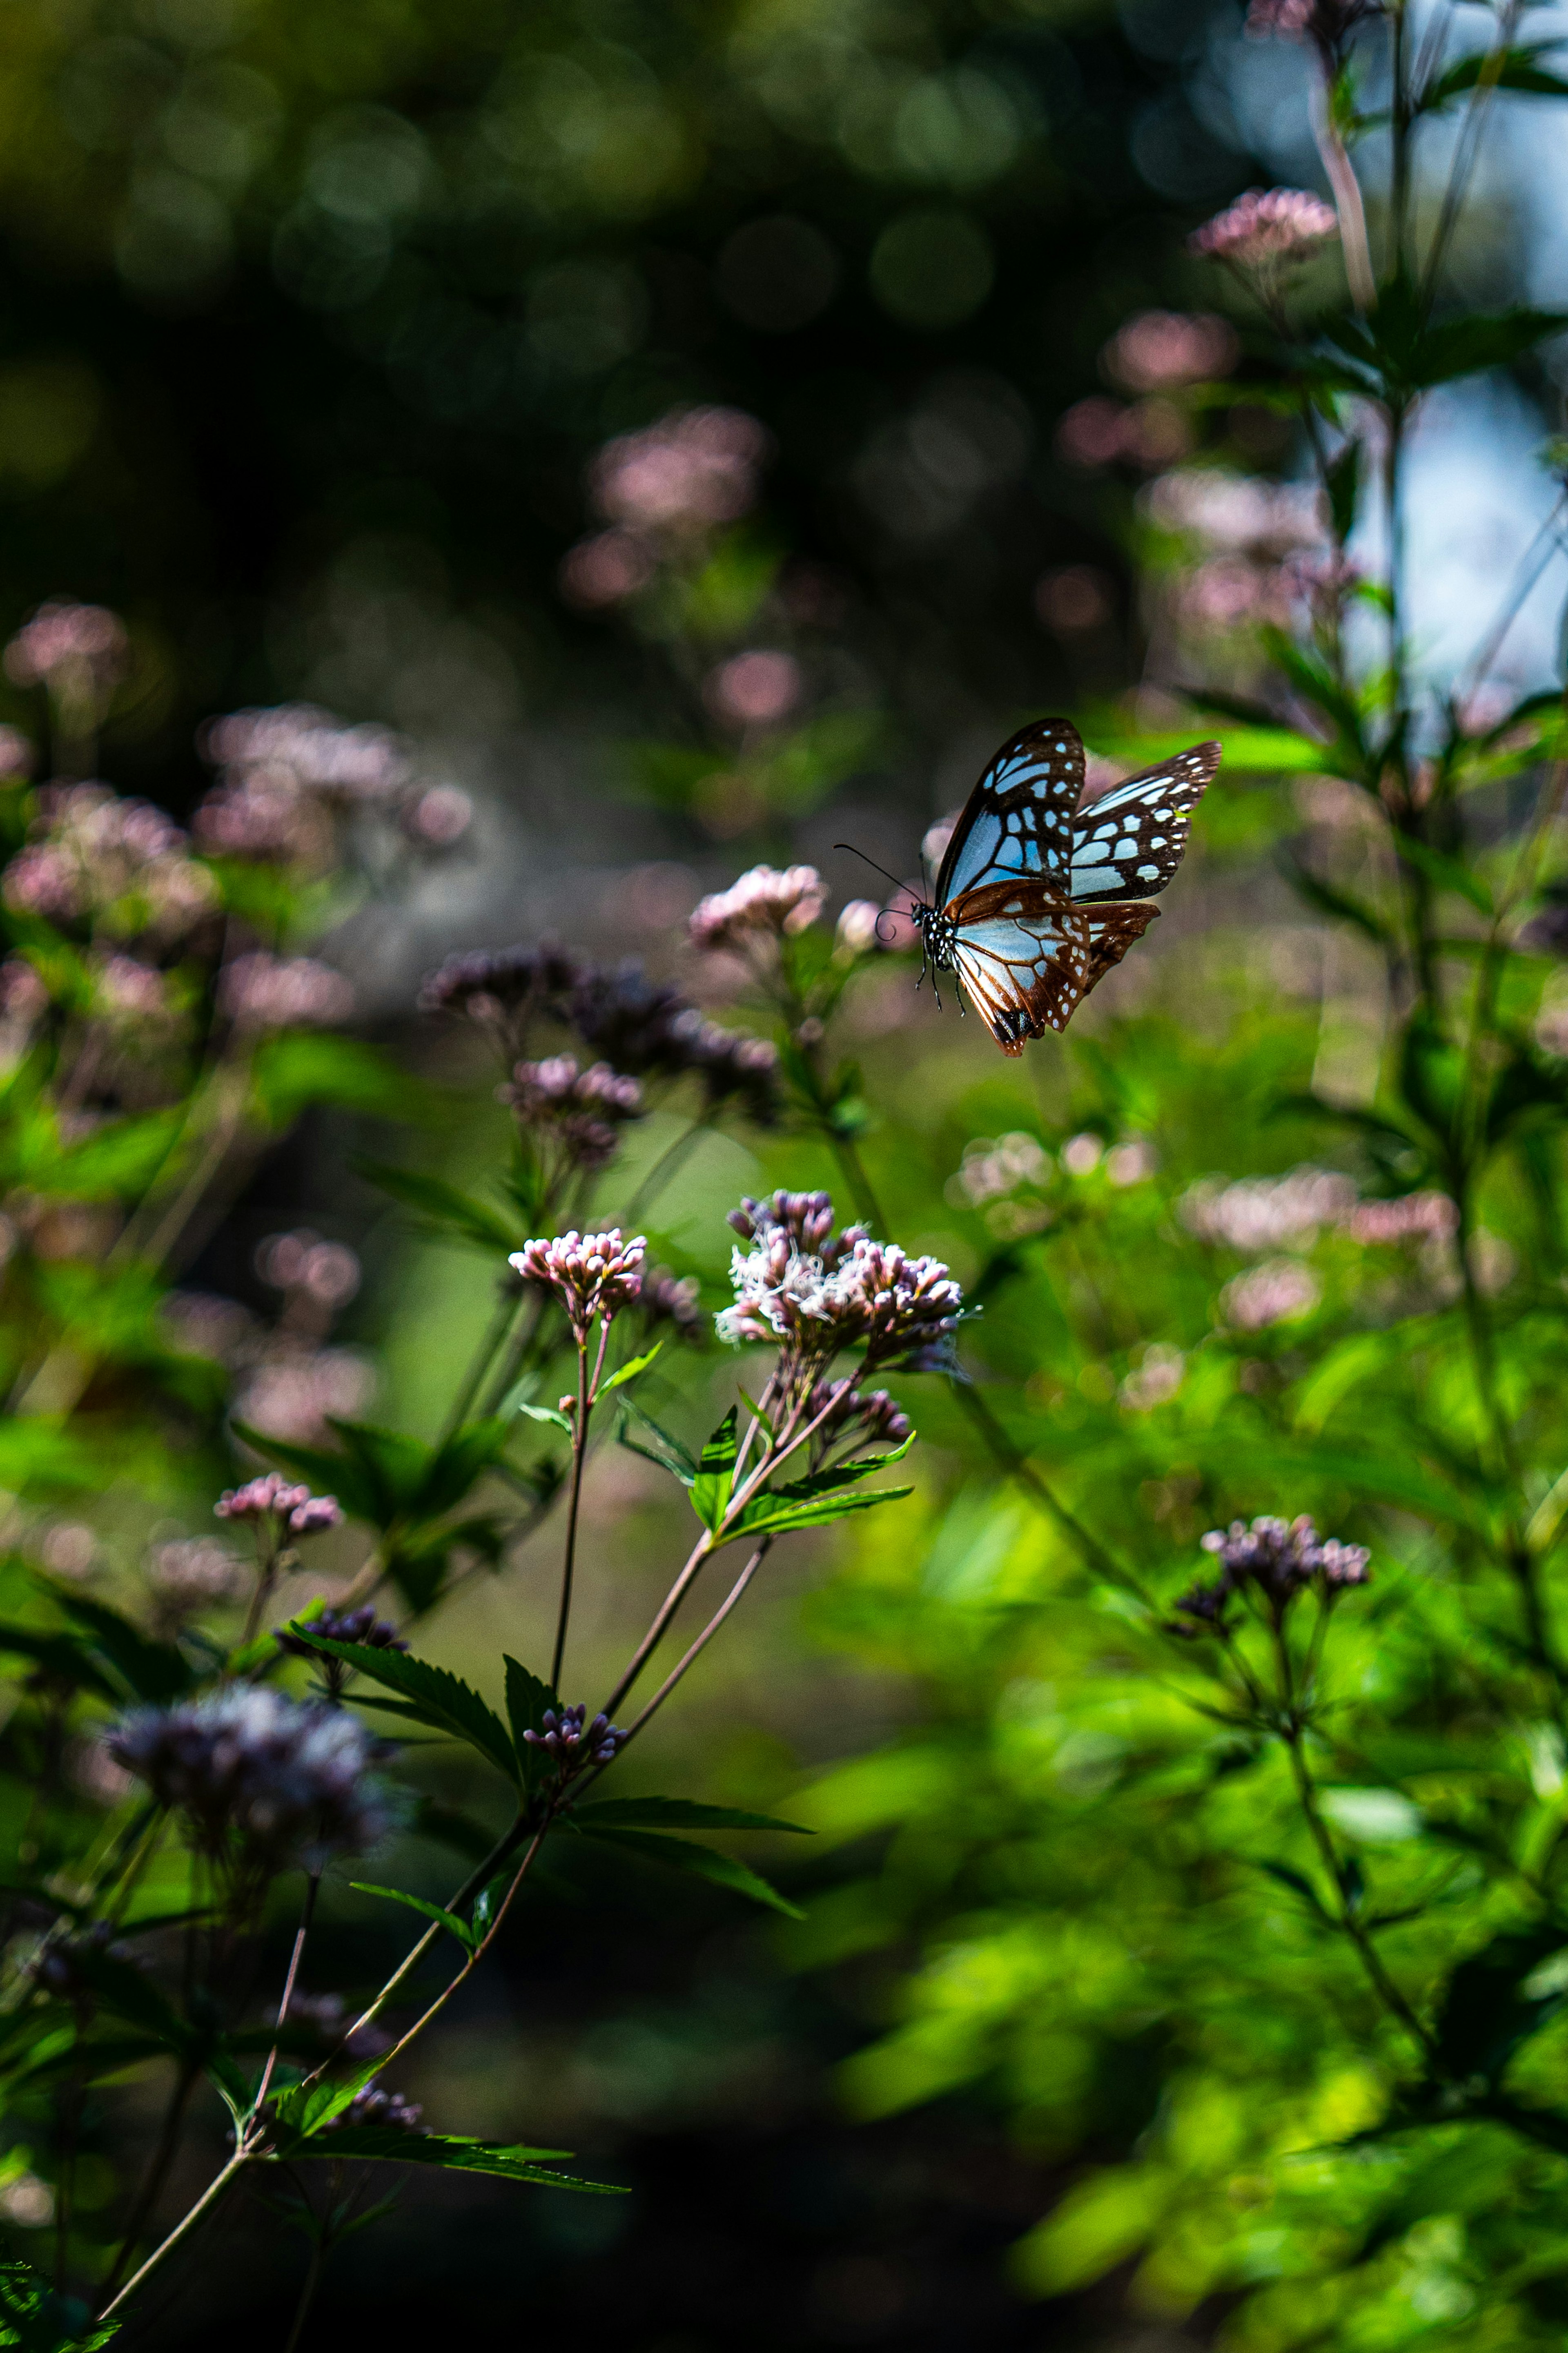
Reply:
x=1129, y=843
x=1018, y=819
x=1024, y=955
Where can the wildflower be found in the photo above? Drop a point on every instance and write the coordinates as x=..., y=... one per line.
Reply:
x=439, y=817
x=268, y=992
x=271, y=1497
x=263, y=817
x=667, y=1298
x=67, y=647
x=1327, y=23
x=375, y=2105
x=804, y=1219
x=294, y=1389
x=326, y=1273
x=572, y=1741
x=131, y=998
x=1266, y=1213
x=290, y=1780
x=764, y=904
x=819, y=1291
x=1413, y=1215
x=755, y=690
x=97, y=856
x=582, y=1111
x=874, y=1417
x=1280, y=1291
x=302, y=747
x=191, y=1574
x=606, y=569
x=361, y=1625
x=857, y=931
x=591, y=1274
x=1268, y=232
x=697, y=467
x=1156, y=350
x=1281, y=1556
x=503, y=990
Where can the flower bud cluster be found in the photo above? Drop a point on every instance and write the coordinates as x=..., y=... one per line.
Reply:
x=290, y=777
x=273, y=1497
x=375, y=2105
x=591, y=1274
x=874, y=1417
x=1266, y=231
x=764, y=904
x=574, y=1742
x=819, y=1291
x=361, y=1625
x=675, y=1299
x=290, y=1780
x=95, y=857
x=1276, y=1559
x=582, y=1111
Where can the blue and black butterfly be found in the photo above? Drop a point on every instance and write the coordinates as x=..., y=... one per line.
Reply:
x=1036, y=899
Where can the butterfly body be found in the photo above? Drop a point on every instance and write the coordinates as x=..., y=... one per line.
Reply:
x=1035, y=900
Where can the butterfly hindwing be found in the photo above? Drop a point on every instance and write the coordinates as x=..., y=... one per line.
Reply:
x=1018, y=819
x=1111, y=932
x=1025, y=955
x=1129, y=843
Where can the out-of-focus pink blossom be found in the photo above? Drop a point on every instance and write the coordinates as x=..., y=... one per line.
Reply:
x=312, y=749
x=134, y=999
x=274, y=1497
x=1237, y=511
x=24, y=997
x=1281, y=1290
x=293, y=1390
x=1327, y=23
x=329, y=1272
x=1073, y=597
x=1092, y=432
x=15, y=753
x=191, y=1573
x=695, y=469
x=606, y=569
x=1158, y=349
x=1153, y=1380
x=267, y=992
x=67, y=645
x=1269, y=1213
x=96, y=855
x=765, y=902
x=439, y=817
x=755, y=690
x=1268, y=231
x=857, y=930
x=1414, y=1216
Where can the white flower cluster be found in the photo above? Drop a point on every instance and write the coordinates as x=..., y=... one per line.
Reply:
x=818, y=1293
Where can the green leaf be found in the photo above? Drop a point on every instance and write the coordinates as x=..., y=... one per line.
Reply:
x=445, y=1209
x=1486, y=2011
x=146, y=1670
x=1302, y=1886
x=777, y=1515
x=1517, y=68
x=679, y=1813
x=1447, y=873
x=700, y=1861
x=676, y=1459
x=527, y=1698
x=630, y=1371
x=63, y=1657
x=546, y=1413
x=458, y=1462
x=309, y=2107
x=436, y=1912
x=1404, y=355
x=34, y=2316
x=716, y=1473
x=301, y=1067
x=512, y=2161
x=395, y=1466
x=445, y=1702
x=338, y=1474
x=115, y=1161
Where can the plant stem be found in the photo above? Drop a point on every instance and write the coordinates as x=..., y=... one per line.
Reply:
x=485, y=1356
x=579, y=1455
x=307, y=2294
x=187, y=2223
x=153, y=2179
x=307, y=1913
x=1366, y=1952
x=700, y=1644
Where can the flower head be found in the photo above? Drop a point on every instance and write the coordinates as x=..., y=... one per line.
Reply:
x=1327, y=23
x=593, y=1275
x=764, y=904
x=572, y=1741
x=582, y=1111
x=694, y=470
x=674, y=1299
x=273, y=1497
x=290, y=1780
x=1278, y=1559
x=1268, y=231
x=268, y=992
x=838, y=1407
x=95, y=856
x=819, y=1291
x=68, y=647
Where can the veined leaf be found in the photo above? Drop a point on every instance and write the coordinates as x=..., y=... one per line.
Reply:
x=546, y=1413
x=629, y=1372
x=716, y=1473
x=33, y=2316
x=436, y=1912
x=777, y=1515
x=458, y=1463
x=304, y=2110
x=677, y=1814
x=449, y=1704
x=337, y=1474
x=512, y=2161
x=700, y=1861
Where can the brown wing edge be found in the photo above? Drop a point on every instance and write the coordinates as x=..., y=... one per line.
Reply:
x=1111, y=932
x=1052, y=1001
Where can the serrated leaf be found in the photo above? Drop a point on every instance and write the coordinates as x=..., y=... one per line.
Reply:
x=436, y=1912
x=679, y=1813
x=36, y=2317
x=458, y=1463
x=698, y=1862
x=511, y=2161
x=716, y=1473
x=303, y=2111
x=777, y=1516
x=527, y=1699
x=450, y=1704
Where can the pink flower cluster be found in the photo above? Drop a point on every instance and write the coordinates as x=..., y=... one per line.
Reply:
x=1266, y=231
x=272, y=1497
x=766, y=903
x=661, y=490
x=66, y=645
x=755, y=690
x=288, y=775
x=1414, y=1216
x=1156, y=351
x=593, y=1275
x=582, y=1111
x=267, y=992
x=819, y=1291
x=98, y=856
x=1329, y=23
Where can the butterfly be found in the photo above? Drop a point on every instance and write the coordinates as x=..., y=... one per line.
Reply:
x=1036, y=899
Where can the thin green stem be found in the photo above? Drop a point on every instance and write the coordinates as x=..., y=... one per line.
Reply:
x=187, y=2223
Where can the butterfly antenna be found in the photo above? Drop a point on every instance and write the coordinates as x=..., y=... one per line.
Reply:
x=897, y=883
